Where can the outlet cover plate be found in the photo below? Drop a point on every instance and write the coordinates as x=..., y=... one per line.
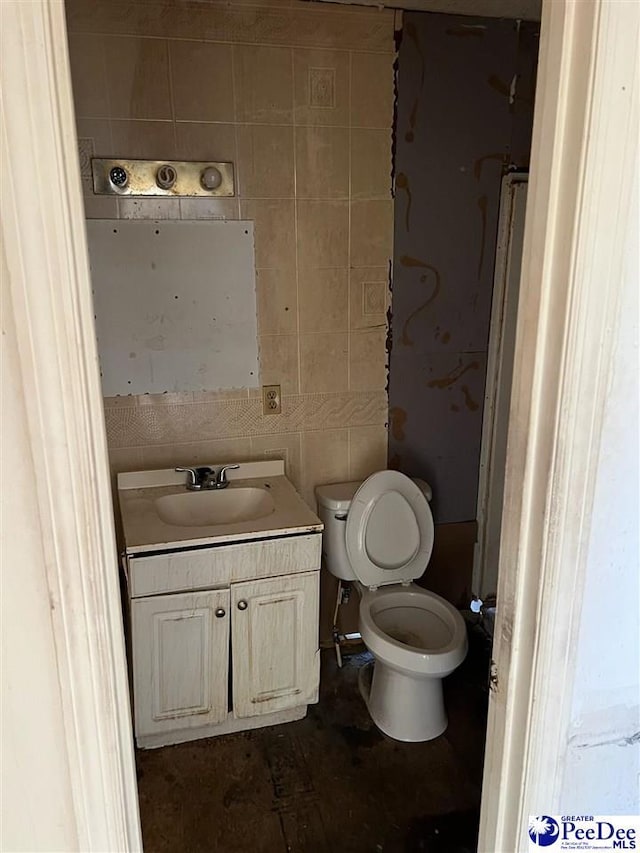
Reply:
x=271, y=400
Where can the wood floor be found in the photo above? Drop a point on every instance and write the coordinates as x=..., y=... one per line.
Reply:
x=331, y=783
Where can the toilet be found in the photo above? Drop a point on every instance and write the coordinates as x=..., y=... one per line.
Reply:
x=378, y=535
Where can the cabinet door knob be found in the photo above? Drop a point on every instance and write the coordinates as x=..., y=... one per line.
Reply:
x=242, y=605
x=220, y=612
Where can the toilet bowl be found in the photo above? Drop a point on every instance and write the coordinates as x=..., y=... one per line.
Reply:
x=379, y=536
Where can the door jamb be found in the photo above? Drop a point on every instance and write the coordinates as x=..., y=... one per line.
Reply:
x=492, y=384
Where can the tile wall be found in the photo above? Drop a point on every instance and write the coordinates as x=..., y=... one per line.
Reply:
x=299, y=95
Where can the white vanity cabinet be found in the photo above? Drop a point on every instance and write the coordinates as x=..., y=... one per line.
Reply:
x=276, y=660
x=223, y=593
x=213, y=661
x=180, y=661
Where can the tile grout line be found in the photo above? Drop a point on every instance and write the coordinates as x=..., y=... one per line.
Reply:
x=172, y=104
x=349, y=255
x=295, y=216
x=87, y=117
x=103, y=56
x=103, y=53
x=234, y=95
x=292, y=46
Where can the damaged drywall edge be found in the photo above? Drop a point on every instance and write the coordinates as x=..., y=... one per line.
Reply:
x=389, y=333
x=397, y=38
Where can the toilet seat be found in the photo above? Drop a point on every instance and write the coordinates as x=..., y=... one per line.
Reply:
x=389, y=530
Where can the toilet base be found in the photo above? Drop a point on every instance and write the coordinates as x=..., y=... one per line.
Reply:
x=405, y=708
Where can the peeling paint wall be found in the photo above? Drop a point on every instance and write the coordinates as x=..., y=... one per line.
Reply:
x=464, y=117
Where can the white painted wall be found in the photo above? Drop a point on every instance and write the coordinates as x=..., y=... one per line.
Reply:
x=602, y=772
x=37, y=804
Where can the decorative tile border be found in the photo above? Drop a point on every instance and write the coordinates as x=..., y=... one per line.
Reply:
x=194, y=420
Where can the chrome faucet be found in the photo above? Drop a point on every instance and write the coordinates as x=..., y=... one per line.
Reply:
x=206, y=478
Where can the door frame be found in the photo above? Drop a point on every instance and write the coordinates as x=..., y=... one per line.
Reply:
x=495, y=361
x=46, y=290
x=581, y=159
x=584, y=161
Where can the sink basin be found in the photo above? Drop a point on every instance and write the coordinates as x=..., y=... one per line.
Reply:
x=203, y=509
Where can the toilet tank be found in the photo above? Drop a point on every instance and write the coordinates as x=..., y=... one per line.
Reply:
x=334, y=501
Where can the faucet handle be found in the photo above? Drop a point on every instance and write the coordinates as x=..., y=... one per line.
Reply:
x=222, y=473
x=193, y=477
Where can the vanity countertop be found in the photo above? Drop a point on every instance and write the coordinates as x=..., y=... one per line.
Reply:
x=145, y=531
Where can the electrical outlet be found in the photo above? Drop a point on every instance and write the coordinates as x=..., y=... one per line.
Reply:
x=271, y=404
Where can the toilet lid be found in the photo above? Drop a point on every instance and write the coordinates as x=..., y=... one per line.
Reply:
x=389, y=530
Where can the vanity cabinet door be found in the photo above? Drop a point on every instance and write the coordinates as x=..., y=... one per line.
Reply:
x=180, y=661
x=274, y=644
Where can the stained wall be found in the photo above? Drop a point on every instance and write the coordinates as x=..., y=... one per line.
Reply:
x=299, y=96
x=464, y=118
